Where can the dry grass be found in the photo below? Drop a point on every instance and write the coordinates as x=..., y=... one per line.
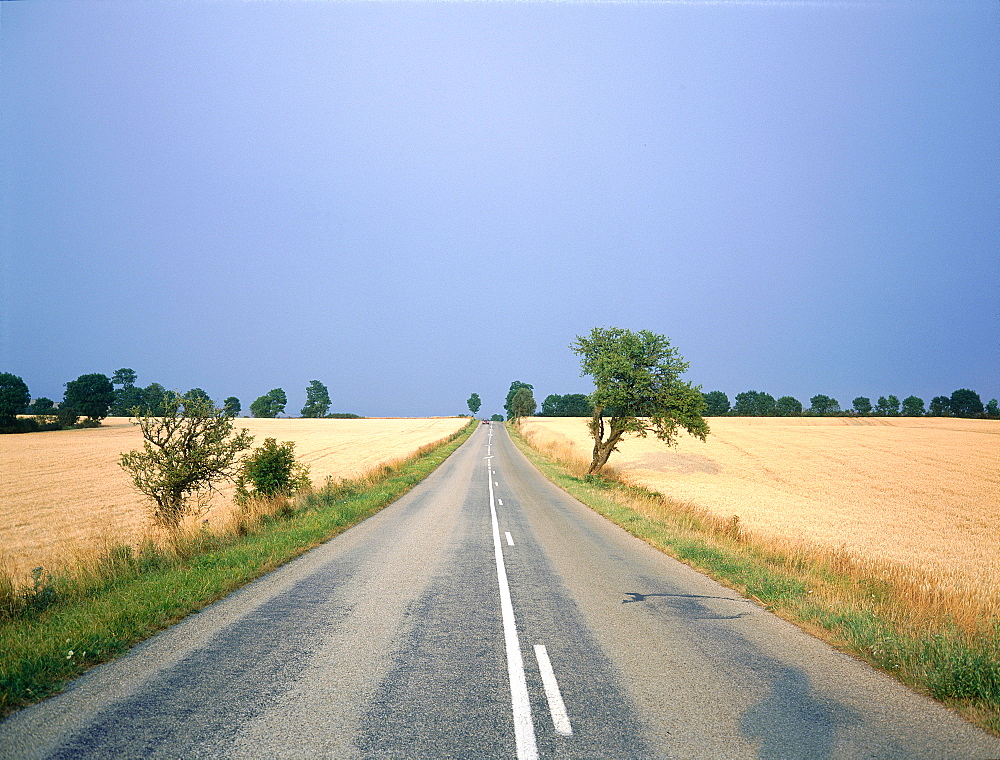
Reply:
x=914, y=502
x=63, y=495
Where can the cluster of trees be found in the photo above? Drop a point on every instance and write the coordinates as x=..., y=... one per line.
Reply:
x=962, y=403
x=96, y=396
x=520, y=401
x=570, y=405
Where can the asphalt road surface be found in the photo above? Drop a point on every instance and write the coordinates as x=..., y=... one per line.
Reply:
x=487, y=615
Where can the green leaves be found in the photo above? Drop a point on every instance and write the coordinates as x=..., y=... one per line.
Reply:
x=186, y=450
x=637, y=384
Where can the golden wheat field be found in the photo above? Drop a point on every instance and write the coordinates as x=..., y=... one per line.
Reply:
x=917, y=492
x=63, y=492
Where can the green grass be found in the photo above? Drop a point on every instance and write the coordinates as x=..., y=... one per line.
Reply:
x=859, y=614
x=60, y=626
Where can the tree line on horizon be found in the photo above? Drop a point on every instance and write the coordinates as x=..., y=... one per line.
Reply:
x=95, y=396
x=963, y=402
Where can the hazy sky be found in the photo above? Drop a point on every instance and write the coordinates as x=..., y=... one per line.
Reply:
x=412, y=201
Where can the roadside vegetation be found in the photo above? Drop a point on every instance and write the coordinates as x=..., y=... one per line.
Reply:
x=58, y=625
x=941, y=644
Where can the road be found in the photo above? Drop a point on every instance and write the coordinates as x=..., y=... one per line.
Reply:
x=486, y=614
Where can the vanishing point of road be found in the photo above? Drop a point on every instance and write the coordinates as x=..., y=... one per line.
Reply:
x=487, y=614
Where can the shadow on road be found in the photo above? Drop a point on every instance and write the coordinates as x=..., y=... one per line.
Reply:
x=689, y=604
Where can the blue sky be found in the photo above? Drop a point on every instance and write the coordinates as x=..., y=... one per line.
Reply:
x=412, y=201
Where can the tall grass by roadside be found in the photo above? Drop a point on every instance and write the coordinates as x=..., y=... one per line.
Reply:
x=936, y=641
x=101, y=603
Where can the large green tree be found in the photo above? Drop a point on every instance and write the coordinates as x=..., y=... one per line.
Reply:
x=232, y=406
x=887, y=406
x=317, y=400
x=638, y=389
x=940, y=407
x=823, y=406
x=913, y=406
x=522, y=404
x=788, y=406
x=271, y=404
x=14, y=397
x=90, y=395
x=754, y=404
x=966, y=403
x=514, y=386
x=862, y=405
x=716, y=403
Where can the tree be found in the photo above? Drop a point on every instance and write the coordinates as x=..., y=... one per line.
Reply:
x=125, y=377
x=788, y=406
x=42, y=405
x=127, y=397
x=474, y=403
x=272, y=471
x=992, y=409
x=638, y=386
x=317, y=400
x=90, y=395
x=754, y=404
x=887, y=407
x=966, y=403
x=14, y=397
x=232, y=406
x=570, y=405
x=522, y=404
x=913, y=406
x=154, y=399
x=551, y=405
x=496, y=418
x=716, y=403
x=862, y=405
x=514, y=386
x=823, y=405
x=271, y=404
x=940, y=407
x=198, y=393
x=186, y=450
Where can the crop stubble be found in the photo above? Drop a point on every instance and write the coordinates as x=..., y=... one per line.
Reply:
x=919, y=493
x=63, y=493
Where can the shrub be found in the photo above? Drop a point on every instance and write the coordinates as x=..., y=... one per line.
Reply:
x=186, y=451
x=271, y=471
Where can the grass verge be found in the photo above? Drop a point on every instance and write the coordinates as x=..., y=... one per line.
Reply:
x=855, y=606
x=59, y=626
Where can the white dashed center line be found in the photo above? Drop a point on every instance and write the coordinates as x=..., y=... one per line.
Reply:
x=556, y=707
x=524, y=729
x=510, y=541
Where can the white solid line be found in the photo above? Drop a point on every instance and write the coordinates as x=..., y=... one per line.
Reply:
x=559, y=717
x=524, y=729
x=510, y=541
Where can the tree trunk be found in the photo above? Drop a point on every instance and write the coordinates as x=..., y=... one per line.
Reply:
x=602, y=448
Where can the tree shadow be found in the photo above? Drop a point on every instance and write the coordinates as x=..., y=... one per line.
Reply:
x=791, y=721
x=689, y=604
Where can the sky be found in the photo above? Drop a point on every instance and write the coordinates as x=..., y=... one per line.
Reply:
x=412, y=201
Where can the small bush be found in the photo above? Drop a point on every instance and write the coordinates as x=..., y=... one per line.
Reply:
x=272, y=472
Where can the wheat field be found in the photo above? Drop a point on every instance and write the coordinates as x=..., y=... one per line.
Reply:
x=62, y=493
x=920, y=493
